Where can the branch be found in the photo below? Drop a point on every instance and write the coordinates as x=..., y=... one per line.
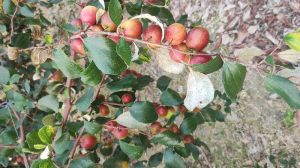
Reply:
x=22, y=133
x=11, y=146
x=72, y=153
x=12, y=23
x=69, y=102
x=142, y=42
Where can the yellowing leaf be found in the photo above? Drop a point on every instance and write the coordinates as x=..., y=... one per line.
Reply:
x=291, y=56
x=246, y=54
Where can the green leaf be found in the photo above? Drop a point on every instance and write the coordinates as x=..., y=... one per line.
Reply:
x=293, y=40
x=48, y=163
x=102, y=52
x=189, y=124
x=284, y=88
x=115, y=162
x=8, y=7
x=85, y=162
x=85, y=101
x=167, y=138
x=46, y=134
x=134, y=8
x=70, y=28
x=173, y=160
x=92, y=127
x=210, y=66
x=163, y=83
x=48, y=120
x=33, y=139
x=26, y=11
x=133, y=151
x=8, y=136
x=128, y=82
x=233, y=78
x=166, y=16
x=115, y=11
x=155, y=159
x=124, y=51
x=4, y=75
x=183, y=19
x=143, y=112
x=191, y=148
x=91, y=75
x=3, y=28
x=269, y=59
x=170, y=97
x=48, y=103
x=21, y=40
x=143, y=82
x=66, y=65
x=62, y=144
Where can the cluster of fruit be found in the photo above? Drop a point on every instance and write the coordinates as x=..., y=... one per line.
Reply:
x=182, y=43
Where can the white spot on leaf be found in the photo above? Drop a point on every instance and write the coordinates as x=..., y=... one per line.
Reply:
x=200, y=91
x=45, y=154
x=128, y=121
x=135, y=56
x=166, y=63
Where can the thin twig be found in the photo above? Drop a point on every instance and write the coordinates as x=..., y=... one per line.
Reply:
x=11, y=146
x=22, y=134
x=76, y=143
x=12, y=22
x=69, y=101
x=114, y=104
x=142, y=42
x=205, y=157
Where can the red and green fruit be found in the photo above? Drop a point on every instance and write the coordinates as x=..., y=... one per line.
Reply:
x=162, y=111
x=175, y=34
x=107, y=23
x=197, y=38
x=188, y=139
x=155, y=127
x=177, y=56
x=103, y=110
x=88, y=141
x=77, y=46
x=131, y=28
x=127, y=98
x=88, y=15
x=120, y=132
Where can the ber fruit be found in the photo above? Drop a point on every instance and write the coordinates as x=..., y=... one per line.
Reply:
x=88, y=141
x=174, y=128
x=131, y=28
x=175, y=34
x=111, y=125
x=155, y=128
x=178, y=56
x=153, y=34
x=88, y=15
x=107, y=23
x=120, y=132
x=77, y=46
x=127, y=98
x=162, y=111
x=188, y=139
x=103, y=110
x=200, y=59
x=197, y=38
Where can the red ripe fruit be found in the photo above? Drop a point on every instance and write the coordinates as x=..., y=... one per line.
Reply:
x=155, y=127
x=174, y=128
x=188, y=139
x=153, y=34
x=197, y=38
x=111, y=125
x=19, y=159
x=107, y=23
x=114, y=38
x=88, y=15
x=77, y=23
x=77, y=46
x=127, y=98
x=120, y=132
x=200, y=59
x=178, y=56
x=103, y=110
x=162, y=111
x=175, y=34
x=57, y=76
x=131, y=28
x=88, y=141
